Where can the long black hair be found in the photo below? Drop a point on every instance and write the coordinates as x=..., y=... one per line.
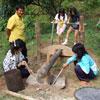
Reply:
x=14, y=46
x=72, y=10
x=61, y=11
x=80, y=50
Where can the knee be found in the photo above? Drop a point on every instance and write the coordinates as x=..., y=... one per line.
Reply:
x=23, y=62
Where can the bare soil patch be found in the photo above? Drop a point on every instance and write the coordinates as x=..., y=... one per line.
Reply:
x=49, y=92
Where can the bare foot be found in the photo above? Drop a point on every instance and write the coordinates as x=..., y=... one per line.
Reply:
x=84, y=83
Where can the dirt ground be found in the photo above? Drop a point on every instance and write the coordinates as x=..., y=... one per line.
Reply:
x=49, y=92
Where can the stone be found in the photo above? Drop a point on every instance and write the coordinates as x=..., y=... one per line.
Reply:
x=31, y=80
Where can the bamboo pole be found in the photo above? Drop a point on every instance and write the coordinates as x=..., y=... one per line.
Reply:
x=19, y=95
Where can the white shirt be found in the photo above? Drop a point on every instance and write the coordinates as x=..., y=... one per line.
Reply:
x=61, y=18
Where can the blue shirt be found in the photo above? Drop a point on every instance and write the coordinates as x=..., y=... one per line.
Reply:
x=86, y=63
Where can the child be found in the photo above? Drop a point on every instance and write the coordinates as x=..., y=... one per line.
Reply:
x=74, y=19
x=14, y=59
x=85, y=67
x=60, y=19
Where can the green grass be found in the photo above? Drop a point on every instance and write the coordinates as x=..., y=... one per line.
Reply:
x=3, y=48
x=92, y=36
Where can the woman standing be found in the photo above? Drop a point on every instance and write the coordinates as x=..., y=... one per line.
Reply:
x=60, y=19
x=74, y=20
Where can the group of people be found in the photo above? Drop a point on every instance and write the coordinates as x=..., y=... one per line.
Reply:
x=16, y=57
x=74, y=20
x=85, y=67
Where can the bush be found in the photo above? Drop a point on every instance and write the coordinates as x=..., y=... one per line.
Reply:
x=98, y=26
x=3, y=23
x=29, y=26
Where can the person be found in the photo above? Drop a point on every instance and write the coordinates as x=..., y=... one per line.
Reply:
x=60, y=19
x=15, y=29
x=85, y=67
x=14, y=59
x=75, y=21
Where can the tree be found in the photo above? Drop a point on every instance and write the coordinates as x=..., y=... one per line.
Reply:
x=49, y=6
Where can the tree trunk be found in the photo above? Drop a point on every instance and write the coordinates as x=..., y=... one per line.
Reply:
x=45, y=69
x=82, y=31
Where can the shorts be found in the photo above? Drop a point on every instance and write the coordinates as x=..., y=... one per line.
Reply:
x=75, y=26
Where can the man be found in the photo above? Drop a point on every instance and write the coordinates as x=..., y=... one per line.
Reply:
x=15, y=29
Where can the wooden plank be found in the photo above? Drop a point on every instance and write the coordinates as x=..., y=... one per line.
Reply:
x=19, y=95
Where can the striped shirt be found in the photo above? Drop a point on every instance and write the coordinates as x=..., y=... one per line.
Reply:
x=11, y=61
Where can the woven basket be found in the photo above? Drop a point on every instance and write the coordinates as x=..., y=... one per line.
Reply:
x=14, y=80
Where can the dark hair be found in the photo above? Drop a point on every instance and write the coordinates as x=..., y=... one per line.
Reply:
x=79, y=49
x=14, y=46
x=61, y=11
x=20, y=6
x=71, y=10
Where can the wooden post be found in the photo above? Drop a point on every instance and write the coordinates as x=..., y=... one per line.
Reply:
x=38, y=40
x=52, y=33
x=82, y=31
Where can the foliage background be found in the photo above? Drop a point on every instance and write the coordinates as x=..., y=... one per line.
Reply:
x=44, y=12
